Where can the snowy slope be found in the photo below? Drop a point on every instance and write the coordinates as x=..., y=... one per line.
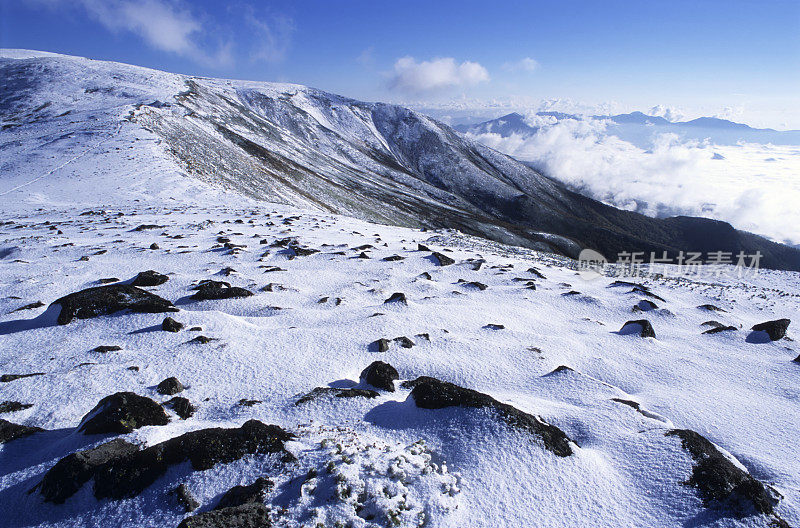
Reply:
x=296, y=145
x=275, y=346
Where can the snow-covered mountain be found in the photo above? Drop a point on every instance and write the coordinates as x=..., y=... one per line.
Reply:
x=175, y=350
x=297, y=145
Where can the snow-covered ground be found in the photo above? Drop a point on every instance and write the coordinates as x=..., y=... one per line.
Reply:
x=69, y=212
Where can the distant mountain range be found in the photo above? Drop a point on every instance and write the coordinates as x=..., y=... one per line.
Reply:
x=639, y=128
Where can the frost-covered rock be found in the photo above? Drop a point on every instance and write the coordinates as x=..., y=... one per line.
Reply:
x=431, y=393
x=213, y=290
x=149, y=278
x=104, y=300
x=380, y=375
x=121, y=413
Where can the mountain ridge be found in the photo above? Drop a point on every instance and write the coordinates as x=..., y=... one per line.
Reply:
x=384, y=163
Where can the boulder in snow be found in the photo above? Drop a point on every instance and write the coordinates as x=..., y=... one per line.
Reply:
x=775, y=329
x=380, y=375
x=104, y=300
x=121, y=413
x=640, y=327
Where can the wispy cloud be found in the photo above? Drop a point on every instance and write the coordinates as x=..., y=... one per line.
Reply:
x=178, y=27
x=272, y=35
x=367, y=57
x=426, y=76
x=523, y=65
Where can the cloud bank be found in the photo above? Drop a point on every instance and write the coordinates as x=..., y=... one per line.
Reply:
x=427, y=76
x=752, y=186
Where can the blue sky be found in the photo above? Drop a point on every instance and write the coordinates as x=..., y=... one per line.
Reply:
x=730, y=58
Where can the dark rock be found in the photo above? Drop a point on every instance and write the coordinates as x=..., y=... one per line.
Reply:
x=720, y=328
x=185, y=498
x=248, y=403
x=201, y=339
x=13, y=406
x=170, y=387
x=102, y=349
x=641, y=327
x=425, y=275
x=213, y=290
x=396, y=297
x=403, y=341
x=431, y=393
x=646, y=291
x=536, y=273
x=492, y=326
x=338, y=393
x=182, y=407
x=421, y=247
x=104, y=300
x=31, y=306
x=121, y=413
x=722, y=483
x=629, y=403
x=710, y=308
x=380, y=375
x=65, y=478
x=775, y=329
x=108, y=280
x=149, y=278
x=645, y=306
x=154, y=246
x=144, y=227
x=382, y=344
x=133, y=368
x=393, y=258
x=129, y=475
x=11, y=431
x=5, y=378
x=196, y=329
x=241, y=495
x=475, y=284
x=362, y=248
x=246, y=516
x=171, y=325
x=302, y=251
x=443, y=260
x=362, y=255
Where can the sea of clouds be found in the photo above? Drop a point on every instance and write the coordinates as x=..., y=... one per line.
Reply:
x=755, y=187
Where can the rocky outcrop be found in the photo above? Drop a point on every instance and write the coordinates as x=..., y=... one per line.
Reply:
x=129, y=475
x=431, y=393
x=104, y=300
x=213, y=290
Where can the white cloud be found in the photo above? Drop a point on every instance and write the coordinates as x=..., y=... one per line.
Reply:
x=272, y=33
x=166, y=25
x=426, y=76
x=670, y=113
x=754, y=187
x=523, y=65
